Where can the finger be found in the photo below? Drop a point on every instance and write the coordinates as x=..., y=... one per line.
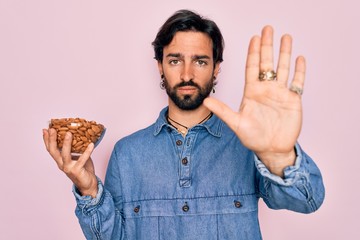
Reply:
x=299, y=75
x=222, y=111
x=52, y=146
x=89, y=165
x=83, y=159
x=253, y=60
x=66, y=148
x=283, y=67
x=266, y=50
x=46, y=138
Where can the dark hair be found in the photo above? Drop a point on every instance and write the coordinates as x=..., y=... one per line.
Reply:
x=185, y=20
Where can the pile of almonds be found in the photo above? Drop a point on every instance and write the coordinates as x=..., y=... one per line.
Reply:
x=83, y=131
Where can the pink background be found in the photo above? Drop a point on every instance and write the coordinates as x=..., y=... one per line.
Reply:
x=94, y=59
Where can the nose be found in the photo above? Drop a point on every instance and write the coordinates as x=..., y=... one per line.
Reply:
x=187, y=73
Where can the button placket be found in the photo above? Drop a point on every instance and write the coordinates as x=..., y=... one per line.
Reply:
x=184, y=164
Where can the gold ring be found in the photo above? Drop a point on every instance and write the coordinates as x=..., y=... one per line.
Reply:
x=267, y=75
x=296, y=89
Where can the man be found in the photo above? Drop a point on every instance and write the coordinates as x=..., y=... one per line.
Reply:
x=191, y=175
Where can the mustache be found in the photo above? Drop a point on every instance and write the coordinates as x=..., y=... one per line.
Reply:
x=188, y=83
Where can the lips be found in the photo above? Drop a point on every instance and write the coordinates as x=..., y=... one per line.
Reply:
x=187, y=89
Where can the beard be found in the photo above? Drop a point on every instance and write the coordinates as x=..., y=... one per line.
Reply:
x=189, y=102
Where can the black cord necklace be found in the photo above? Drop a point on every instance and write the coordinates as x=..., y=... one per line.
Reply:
x=183, y=132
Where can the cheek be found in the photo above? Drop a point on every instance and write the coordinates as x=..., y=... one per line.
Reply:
x=169, y=80
x=172, y=77
x=173, y=70
x=206, y=76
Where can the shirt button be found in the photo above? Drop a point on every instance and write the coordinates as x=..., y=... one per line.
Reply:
x=184, y=161
x=136, y=209
x=237, y=204
x=178, y=142
x=185, y=208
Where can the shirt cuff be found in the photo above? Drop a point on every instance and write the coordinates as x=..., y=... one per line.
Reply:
x=88, y=201
x=291, y=174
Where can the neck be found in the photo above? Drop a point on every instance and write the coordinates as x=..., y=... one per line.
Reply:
x=185, y=119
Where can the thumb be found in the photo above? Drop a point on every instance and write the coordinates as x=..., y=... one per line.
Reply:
x=220, y=109
x=86, y=155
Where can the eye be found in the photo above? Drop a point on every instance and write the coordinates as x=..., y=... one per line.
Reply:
x=201, y=62
x=174, y=62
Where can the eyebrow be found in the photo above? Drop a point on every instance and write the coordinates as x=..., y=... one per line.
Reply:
x=195, y=57
x=176, y=55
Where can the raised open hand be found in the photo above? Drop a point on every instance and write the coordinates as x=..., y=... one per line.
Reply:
x=270, y=115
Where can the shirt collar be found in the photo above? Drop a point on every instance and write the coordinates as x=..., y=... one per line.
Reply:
x=213, y=125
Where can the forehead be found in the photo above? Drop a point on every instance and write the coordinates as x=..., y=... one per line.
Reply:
x=190, y=43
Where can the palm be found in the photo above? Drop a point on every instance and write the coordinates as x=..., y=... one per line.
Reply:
x=269, y=118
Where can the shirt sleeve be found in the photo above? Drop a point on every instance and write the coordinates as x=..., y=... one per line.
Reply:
x=88, y=201
x=301, y=189
x=97, y=216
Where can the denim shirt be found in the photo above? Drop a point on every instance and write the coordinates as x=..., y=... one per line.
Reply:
x=204, y=186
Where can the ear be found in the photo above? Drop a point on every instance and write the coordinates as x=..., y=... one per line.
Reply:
x=160, y=67
x=216, y=69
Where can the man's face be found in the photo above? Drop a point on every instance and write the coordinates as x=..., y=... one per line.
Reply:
x=188, y=69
